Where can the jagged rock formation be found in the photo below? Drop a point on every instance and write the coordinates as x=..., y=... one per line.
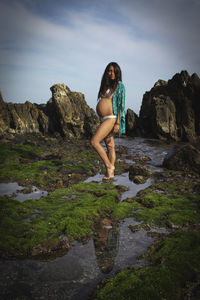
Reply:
x=132, y=123
x=171, y=110
x=66, y=113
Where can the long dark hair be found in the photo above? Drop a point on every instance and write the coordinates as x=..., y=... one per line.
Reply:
x=107, y=83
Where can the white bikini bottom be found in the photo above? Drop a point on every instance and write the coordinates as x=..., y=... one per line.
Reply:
x=108, y=117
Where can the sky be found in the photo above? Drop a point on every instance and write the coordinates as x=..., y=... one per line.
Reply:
x=71, y=42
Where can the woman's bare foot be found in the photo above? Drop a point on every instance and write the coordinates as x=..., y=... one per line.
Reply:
x=110, y=173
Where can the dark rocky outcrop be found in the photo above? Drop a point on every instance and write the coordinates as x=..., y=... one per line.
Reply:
x=171, y=110
x=132, y=123
x=185, y=158
x=66, y=113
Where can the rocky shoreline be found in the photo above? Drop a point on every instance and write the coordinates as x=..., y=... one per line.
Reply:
x=48, y=146
x=169, y=111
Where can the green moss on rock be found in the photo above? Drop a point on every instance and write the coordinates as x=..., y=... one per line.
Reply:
x=67, y=211
x=27, y=164
x=174, y=265
x=176, y=207
x=173, y=270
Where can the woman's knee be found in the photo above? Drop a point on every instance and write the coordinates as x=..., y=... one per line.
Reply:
x=110, y=144
x=93, y=143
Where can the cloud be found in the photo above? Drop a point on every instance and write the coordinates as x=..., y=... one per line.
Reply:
x=173, y=23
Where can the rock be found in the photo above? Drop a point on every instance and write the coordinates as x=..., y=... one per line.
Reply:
x=139, y=173
x=142, y=158
x=122, y=149
x=170, y=110
x=171, y=225
x=22, y=118
x=66, y=114
x=185, y=158
x=134, y=228
x=160, y=83
x=137, y=169
x=47, y=248
x=138, y=179
x=132, y=123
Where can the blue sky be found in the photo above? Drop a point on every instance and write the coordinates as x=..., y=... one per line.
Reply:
x=71, y=42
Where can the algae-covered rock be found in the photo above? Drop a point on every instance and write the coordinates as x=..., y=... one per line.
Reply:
x=172, y=268
x=45, y=164
x=171, y=205
x=46, y=226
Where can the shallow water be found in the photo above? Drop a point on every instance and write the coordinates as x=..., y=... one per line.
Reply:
x=155, y=150
x=12, y=189
x=74, y=275
x=123, y=179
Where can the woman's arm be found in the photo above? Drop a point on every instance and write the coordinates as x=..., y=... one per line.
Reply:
x=117, y=124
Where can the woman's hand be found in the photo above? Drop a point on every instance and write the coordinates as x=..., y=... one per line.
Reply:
x=116, y=128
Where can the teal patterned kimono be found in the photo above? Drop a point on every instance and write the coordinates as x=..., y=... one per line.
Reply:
x=118, y=102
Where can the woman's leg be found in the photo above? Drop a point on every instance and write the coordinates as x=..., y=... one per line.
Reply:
x=104, y=129
x=110, y=145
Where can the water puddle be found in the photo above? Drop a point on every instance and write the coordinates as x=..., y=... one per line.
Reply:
x=13, y=190
x=156, y=150
x=123, y=179
x=75, y=275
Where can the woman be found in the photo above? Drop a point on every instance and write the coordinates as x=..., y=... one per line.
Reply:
x=111, y=111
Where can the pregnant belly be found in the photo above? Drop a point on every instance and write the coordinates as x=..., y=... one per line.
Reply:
x=104, y=107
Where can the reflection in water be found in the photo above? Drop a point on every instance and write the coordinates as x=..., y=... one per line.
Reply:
x=106, y=243
x=12, y=189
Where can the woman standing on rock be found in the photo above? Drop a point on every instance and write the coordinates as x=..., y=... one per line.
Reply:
x=111, y=111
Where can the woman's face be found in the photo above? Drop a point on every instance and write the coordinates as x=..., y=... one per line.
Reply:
x=111, y=72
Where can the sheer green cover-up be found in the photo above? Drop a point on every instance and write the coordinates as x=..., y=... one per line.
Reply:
x=118, y=101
